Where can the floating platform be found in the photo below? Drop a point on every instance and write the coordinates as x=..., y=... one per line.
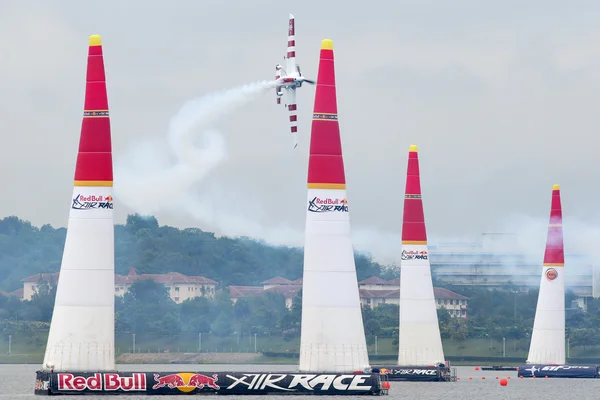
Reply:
x=558, y=371
x=499, y=368
x=209, y=383
x=417, y=373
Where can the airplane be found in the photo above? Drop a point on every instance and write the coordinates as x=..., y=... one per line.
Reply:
x=290, y=79
x=532, y=369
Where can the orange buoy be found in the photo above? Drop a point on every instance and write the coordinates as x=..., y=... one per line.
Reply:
x=470, y=378
x=458, y=378
x=483, y=377
x=521, y=377
x=503, y=382
x=476, y=368
x=496, y=377
x=385, y=384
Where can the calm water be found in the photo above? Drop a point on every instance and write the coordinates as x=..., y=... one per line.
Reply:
x=17, y=381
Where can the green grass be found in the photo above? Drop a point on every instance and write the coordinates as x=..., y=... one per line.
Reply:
x=30, y=348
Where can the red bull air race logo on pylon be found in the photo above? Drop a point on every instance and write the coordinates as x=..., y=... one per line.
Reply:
x=92, y=202
x=414, y=255
x=319, y=205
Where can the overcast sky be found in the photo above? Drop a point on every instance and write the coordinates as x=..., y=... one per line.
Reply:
x=501, y=99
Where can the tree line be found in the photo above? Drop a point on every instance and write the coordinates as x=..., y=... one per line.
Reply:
x=27, y=250
x=147, y=308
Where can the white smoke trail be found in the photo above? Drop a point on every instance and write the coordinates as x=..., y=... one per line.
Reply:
x=148, y=182
x=580, y=238
x=523, y=235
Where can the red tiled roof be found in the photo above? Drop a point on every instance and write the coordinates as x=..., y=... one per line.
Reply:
x=374, y=280
x=298, y=281
x=441, y=293
x=371, y=294
x=438, y=293
x=245, y=291
x=278, y=280
x=168, y=278
x=18, y=293
x=289, y=292
x=3, y=293
x=43, y=277
x=125, y=279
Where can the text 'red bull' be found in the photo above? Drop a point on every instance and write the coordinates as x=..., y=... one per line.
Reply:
x=108, y=381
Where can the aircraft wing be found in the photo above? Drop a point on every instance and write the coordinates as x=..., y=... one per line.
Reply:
x=291, y=99
x=290, y=66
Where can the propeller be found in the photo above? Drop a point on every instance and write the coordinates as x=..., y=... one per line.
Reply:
x=300, y=74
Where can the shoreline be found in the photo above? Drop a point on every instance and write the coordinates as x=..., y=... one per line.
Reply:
x=276, y=359
x=226, y=358
x=169, y=358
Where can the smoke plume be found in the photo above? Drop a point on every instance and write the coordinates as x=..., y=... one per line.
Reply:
x=154, y=170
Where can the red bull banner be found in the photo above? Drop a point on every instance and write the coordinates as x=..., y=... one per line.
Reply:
x=224, y=383
x=558, y=371
x=414, y=374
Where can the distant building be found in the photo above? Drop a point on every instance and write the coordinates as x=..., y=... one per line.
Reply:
x=289, y=289
x=31, y=283
x=498, y=259
x=181, y=287
x=373, y=292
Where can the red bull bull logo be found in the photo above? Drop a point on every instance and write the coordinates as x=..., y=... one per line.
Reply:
x=41, y=384
x=186, y=381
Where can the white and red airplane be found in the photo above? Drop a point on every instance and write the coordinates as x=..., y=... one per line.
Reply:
x=290, y=79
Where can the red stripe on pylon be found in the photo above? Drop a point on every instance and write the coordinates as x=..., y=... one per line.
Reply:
x=94, y=160
x=326, y=163
x=413, y=221
x=555, y=253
